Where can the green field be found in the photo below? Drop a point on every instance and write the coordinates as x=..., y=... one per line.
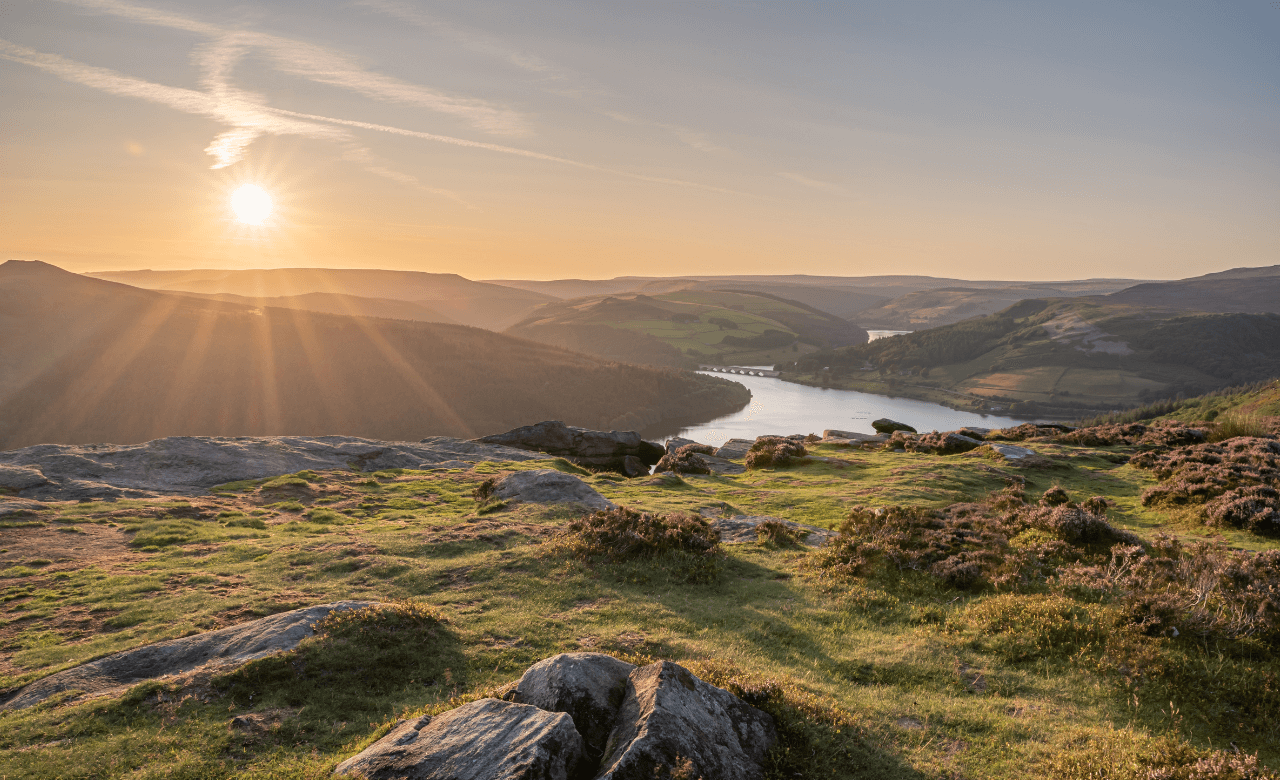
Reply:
x=891, y=673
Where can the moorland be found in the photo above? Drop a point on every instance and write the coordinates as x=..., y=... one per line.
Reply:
x=1102, y=606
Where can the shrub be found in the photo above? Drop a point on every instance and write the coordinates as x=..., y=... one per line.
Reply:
x=689, y=545
x=1235, y=480
x=774, y=452
x=1205, y=589
x=1055, y=496
x=778, y=533
x=969, y=545
x=685, y=460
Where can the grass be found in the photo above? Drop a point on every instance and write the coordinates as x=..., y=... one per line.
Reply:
x=886, y=673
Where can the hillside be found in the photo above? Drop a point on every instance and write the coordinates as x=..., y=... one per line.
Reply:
x=682, y=327
x=901, y=614
x=1063, y=354
x=482, y=305
x=88, y=360
x=334, y=303
x=947, y=305
x=1252, y=290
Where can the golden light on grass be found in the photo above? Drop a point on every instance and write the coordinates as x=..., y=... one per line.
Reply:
x=251, y=204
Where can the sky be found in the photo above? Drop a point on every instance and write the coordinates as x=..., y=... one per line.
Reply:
x=552, y=139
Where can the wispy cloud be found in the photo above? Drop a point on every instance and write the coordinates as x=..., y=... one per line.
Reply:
x=248, y=115
x=319, y=64
x=825, y=186
x=688, y=136
x=470, y=39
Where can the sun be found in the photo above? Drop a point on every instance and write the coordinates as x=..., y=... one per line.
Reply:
x=251, y=204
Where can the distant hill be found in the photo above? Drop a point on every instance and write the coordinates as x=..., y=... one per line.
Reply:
x=948, y=305
x=1084, y=352
x=869, y=301
x=686, y=326
x=89, y=360
x=480, y=304
x=333, y=303
x=1238, y=290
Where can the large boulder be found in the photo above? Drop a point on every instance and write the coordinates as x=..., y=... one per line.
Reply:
x=223, y=650
x=734, y=449
x=190, y=465
x=586, y=686
x=885, y=425
x=670, y=717
x=487, y=739
x=598, y=449
x=548, y=486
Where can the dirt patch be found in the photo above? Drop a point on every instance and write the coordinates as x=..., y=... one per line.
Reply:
x=93, y=545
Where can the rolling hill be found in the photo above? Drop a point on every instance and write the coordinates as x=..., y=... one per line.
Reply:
x=1255, y=290
x=479, y=304
x=1060, y=354
x=89, y=360
x=686, y=326
x=888, y=302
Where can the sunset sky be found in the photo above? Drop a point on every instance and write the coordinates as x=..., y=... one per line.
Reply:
x=549, y=139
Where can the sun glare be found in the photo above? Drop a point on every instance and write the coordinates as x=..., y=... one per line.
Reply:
x=251, y=204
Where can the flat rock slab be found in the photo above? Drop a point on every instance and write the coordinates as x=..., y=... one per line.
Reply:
x=743, y=530
x=583, y=445
x=1011, y=451
x=588, y=687
x=669, y=716
x=734, y=449
x=222, y=649
x=487, y=739
x=548, y=486
x=190, y=465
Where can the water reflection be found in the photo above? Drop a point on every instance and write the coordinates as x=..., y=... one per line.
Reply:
x=783, y=408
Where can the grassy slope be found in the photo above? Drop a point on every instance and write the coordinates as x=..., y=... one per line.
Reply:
x=703, y=339
x=1013, y=358
x=899, y=655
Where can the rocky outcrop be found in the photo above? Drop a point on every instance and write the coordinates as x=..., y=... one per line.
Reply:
x=587, y=686
x=744, y=529
x=671, y=718
x=597, y=449
x=487, y=739
x=581, y=715
x=634, y=467
x=697, y=459
x=934, y=443
x=223, y=649
x=190, y=465
x=734, y=449
x=547, y=486
x=885, y=425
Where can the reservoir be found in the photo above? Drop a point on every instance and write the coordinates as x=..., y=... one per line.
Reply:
x=784, y=408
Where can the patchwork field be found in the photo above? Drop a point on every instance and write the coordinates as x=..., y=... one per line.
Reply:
x=883, y=671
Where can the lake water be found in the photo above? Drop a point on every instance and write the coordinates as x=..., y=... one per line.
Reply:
x=784, y=408
x=872, y=335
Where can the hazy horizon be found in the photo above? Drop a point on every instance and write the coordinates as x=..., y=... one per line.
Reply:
x=568, y=140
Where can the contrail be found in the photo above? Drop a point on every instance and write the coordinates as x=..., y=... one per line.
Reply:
x=446, y=139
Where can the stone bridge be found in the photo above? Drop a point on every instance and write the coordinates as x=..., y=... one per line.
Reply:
x=743, y=370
